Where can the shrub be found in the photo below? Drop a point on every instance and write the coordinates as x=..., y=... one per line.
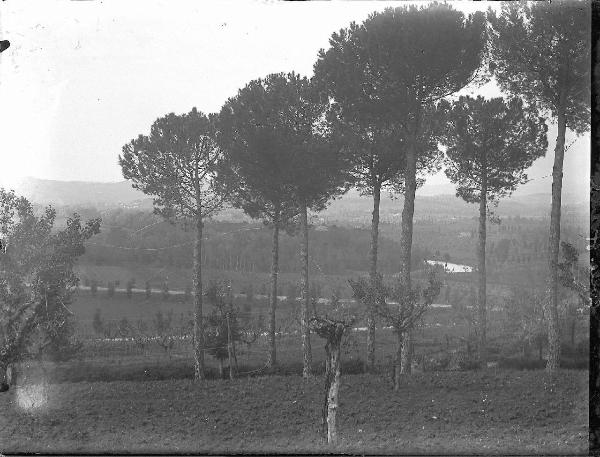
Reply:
x=98, y=323
x=110, y=291
x=129, y=287
x=249, y=292
x=583, y=347
x=519, y=363
x=124, y=328
x=165, y=290
x=462, y=361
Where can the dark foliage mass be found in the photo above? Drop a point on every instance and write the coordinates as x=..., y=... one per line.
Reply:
x=243, y=247
x=37, y=280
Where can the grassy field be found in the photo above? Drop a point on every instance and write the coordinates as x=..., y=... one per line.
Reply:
x=470, y=412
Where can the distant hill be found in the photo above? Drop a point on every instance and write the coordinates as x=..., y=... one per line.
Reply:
x=351, y=208
x=357, y=209
x=81, y=193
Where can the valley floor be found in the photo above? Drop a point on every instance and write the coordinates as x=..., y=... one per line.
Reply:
x=485, y=411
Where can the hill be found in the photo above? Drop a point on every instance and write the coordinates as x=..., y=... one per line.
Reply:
x=352, y=208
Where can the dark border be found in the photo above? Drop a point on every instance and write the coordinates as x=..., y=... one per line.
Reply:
x=594, y=380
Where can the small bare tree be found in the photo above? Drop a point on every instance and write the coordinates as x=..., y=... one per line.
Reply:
x=332, y=326
x=398, y=307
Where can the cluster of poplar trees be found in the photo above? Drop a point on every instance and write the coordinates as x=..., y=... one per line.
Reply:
x=380, y=113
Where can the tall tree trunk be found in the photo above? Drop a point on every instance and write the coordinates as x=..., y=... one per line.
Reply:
x=272, y=362
x=198, y=320
x=373, y=273
x=481, y=260
x=410, y=182
x=554, y=241
x=328, y=379
x=398, y=358
x=305, y=304
x=229, y=349
x=3, y=378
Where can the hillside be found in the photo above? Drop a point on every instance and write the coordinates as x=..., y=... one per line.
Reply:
x=352, y=208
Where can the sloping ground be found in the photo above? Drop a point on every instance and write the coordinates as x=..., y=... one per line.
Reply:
x=469, y=412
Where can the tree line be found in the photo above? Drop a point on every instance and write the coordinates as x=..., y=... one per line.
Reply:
x=374, y=114
x=384, y=108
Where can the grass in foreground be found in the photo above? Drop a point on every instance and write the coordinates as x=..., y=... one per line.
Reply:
x=460, y=412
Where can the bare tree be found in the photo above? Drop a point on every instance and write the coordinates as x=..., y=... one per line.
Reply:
x=332, y=326
x=399, y=308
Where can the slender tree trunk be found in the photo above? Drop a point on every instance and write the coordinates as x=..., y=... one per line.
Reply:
x=332, y=395
x=272, y=362
x=229, y=349
x=328, y=379
x=198, y=320
x=406, y=353
x=4, y=386
x=554, y=241
x=373, y=274
x=410, y=182
x=481, y=260
x=235, y=359
x=305, y=304
x=333, y=357
x=398, y=358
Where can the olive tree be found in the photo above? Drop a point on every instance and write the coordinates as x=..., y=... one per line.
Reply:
x=399, y=308
x=331, y=325
x=37, y=280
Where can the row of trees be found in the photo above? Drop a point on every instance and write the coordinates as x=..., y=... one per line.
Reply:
x=373, y=116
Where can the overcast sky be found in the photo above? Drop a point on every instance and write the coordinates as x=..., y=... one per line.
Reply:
x=82, y=78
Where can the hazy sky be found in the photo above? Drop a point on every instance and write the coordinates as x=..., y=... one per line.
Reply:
x=82, y=78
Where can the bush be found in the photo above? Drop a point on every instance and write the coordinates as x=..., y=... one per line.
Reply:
x=98, y=323
x=519, y=363
x=583, y=347
x=579, y=350
x=462, y=361
x=130, y=286
x=110, y=291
